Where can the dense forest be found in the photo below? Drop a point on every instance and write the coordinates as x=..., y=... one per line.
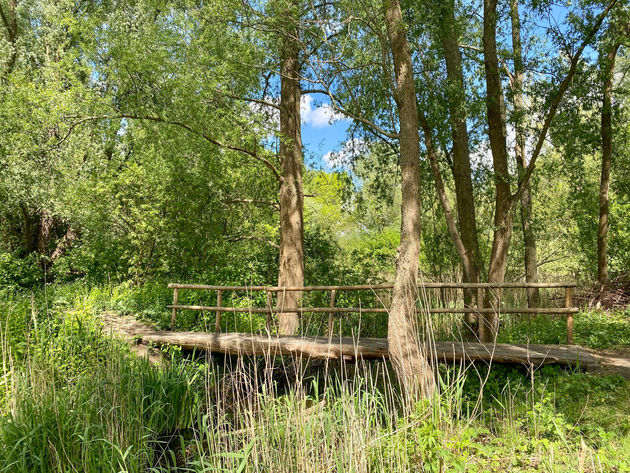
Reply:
x=302, y=143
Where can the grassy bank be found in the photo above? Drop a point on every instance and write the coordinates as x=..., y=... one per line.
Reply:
x=74, y=400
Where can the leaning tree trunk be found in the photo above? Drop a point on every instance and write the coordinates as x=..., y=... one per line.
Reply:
x=291, y=264
x=407, y=356
x=503, y=215
x=604, y=185
x=461, y=154
x=529, y=236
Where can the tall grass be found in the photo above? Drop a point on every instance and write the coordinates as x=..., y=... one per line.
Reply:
x=75, y=400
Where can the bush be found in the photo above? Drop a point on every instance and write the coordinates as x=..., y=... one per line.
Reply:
x=19, y=272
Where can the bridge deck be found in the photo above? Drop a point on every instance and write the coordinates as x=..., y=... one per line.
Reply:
x=376, y=348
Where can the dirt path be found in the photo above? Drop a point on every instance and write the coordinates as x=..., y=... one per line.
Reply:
x=131, y=330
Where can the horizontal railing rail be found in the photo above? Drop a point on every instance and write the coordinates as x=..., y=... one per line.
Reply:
x=569, y=310
x=367, y=287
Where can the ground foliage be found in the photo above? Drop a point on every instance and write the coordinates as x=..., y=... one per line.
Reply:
x=73, y=398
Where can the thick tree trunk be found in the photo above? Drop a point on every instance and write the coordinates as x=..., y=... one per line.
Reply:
x=503, y=215
x=461, y=152
x=406, y=354
x=529, y=236
x=604, y=185
x=291, y=263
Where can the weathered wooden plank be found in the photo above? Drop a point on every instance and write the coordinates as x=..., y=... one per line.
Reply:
x=382, y=310
x=371, y=348
x=245, y=344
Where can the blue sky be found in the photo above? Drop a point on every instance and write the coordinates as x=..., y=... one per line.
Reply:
x=323, y=131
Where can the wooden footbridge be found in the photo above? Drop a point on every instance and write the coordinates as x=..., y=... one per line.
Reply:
x=330, y=346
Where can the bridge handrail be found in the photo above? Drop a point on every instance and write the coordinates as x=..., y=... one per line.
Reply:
x=362, y=287
x=569, y=309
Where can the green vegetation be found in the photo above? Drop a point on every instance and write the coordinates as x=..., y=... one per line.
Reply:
x=73, y=399
x=292, y=143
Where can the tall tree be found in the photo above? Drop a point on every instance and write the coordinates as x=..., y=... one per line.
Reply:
x=406, y=353
x=516, y=82
x=461, y=150
x=505, y=201
x=495, y=110
x=291, y=264
x=608, y=69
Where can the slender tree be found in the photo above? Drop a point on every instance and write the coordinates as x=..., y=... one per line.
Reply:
x=608, y=70
x=505, y=201
x=516, y=83
x=462, y=172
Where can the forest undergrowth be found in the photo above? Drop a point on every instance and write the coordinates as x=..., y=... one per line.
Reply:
x=73, y=399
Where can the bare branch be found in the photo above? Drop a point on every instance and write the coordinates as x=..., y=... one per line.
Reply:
x=248, y=99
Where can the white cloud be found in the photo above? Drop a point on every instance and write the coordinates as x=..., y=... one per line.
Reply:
x=320, y=116
x=317, y=116
x=343, y=157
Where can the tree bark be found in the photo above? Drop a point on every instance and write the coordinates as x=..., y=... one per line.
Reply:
x=406, y=354
x=529, y=235
x=606, y=132
x=30, y=229
x=441, y=193
x=291, y=199
x=66, y=243
x=461, y=152
x=8, y=15
x=46, y=231
x=503, y=215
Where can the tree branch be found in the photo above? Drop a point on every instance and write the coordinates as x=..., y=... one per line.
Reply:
x=249, y=99
x=335, y=104
x=187, y=127
x=556, y=102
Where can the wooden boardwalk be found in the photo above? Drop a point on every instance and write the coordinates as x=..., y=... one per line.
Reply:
x=376, y=348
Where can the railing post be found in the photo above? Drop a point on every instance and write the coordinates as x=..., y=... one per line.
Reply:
x=481, y=325
x=333, y=294
x=568, y=303
x=174, y=315
x=269, y=306
x=217, y=322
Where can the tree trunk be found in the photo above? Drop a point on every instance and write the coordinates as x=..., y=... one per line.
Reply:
x=503, y=215
x=291, y=263
x=604, y=185
x=46, y=230
x=529, y=236
x=406, y=354
x=65, y=244
x=461, y=152
x=8, y=14
x=31, y=230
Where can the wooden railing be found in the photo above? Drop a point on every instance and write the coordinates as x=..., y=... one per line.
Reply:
x=568, y=310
